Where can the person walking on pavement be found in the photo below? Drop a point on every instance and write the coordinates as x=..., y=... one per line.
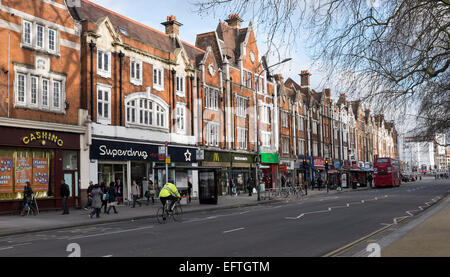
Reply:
x=97, y=196
x=136, y=192
x=250, y=186
x=119, y=190
x=89, y=197
x=189, y=191
x=369, y=179
x=112, y=198
x=65, y=193
x=104, y=199
x=319, y=183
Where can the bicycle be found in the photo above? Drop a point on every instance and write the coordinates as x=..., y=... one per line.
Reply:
x=30, y=206
x=164, y=212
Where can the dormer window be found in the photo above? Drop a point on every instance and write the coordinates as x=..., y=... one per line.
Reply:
x=123, y=31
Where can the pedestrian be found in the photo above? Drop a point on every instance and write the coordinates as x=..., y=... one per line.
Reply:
x=119, y=190
x=319, y=182
x=189, y=191
x=249, y=186
x=97, y=196
x=369, y=179
x=65, y=193
x=28, y=200
x=135, y=192
x=233, y=187
x=89, y=197
x=105, y=196
x=149, y=193
x=355, y=182
x=112, y=198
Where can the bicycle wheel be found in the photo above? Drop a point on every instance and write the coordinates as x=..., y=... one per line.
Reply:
x=284, y=193
x=160, y=216
x=177, y=213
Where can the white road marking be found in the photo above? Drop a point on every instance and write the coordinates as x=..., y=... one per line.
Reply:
x=110, y=233
x=6, y=248
x=107, y=256
x=234, y=230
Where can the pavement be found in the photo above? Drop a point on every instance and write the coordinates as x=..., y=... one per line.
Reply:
x=431, y=238
x=53, y=220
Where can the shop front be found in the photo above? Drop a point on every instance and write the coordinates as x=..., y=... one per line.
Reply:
x=286, y=169
x=236, y=168
x=124, y=162
x=319, y=169
x=42, y=157
x=269, y=170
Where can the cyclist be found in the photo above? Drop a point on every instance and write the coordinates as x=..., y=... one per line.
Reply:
x=27, y=199
x=169, y=192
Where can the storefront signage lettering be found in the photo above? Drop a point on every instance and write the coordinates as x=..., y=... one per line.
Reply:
x=127, y=151
x=236, y=158
x=104, y=151
x=43, y=137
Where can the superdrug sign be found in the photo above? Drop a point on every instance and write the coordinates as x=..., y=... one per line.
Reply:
x=125, y=151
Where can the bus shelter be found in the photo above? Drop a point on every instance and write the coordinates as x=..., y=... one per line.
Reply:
x=207, y=179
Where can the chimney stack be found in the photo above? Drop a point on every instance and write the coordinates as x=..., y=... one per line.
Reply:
x=172, y=26
x=304, y=79
x=234, y=21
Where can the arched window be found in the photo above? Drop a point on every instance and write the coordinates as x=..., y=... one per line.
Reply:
x=146, y=111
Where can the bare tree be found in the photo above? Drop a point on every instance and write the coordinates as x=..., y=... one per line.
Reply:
x=393, y=54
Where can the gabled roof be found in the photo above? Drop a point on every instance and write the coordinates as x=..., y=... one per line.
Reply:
x=232, y=38
x=135, y=30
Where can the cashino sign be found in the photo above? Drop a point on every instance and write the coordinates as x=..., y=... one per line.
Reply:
x=43, y=137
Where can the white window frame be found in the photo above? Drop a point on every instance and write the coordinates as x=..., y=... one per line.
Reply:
x=158, y=73
x=100, y=67
x=265, y=111
x=181, y=85
x=301, y=123
x=315, y=149
x=101, y=119
x=211, y=98
x=285, y=144
x=301, y=147
x=34, y=90
x=314, y=126
x=181, y=118
x=60, y=102
x=241, y=106
x=157, y=114
x=40, y=39
x=55, y=42
x=212, y=134
x=284, y=119
x=242, y=138
x=24, y=92
x=266, y=139
x=24, y=36
x=137, y=78
x=45, y=92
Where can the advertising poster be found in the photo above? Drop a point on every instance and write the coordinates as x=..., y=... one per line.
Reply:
x=23, y=173
x=6, y=175
x=40, y=174
x=344, y=180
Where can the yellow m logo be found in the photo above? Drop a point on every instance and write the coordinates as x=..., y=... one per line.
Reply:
x=216, y=157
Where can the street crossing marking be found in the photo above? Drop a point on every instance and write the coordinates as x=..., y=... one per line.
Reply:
x=110, y=233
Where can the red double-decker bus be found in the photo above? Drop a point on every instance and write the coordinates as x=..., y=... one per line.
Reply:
x=387, y=172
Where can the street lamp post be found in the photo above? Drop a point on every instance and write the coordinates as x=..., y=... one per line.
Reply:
x=258, y=161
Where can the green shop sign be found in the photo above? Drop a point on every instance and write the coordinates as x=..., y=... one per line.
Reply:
x=269, y=158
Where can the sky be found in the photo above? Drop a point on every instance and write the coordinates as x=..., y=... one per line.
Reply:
x=153, y=12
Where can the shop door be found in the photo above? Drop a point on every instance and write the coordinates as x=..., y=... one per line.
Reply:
x=71, y=179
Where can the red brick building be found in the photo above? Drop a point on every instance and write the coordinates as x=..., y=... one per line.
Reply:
x=39, y=108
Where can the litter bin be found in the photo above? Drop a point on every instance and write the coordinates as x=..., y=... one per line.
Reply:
x=208, y=192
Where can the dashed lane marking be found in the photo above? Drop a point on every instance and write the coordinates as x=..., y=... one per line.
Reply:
x=234, y=230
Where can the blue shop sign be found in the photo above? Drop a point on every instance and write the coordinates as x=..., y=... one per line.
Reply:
x=126, y=151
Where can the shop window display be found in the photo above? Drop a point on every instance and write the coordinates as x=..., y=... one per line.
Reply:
x=18, y=166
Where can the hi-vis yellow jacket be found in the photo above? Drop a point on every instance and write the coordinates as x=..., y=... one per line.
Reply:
x=168, y=190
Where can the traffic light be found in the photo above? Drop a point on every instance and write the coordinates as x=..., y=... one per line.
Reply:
x=326, y=165
x=304, y=163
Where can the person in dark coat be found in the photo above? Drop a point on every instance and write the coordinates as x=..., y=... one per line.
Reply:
x=370, y=179
x=28, y=199
x=250, y=186
x=112, y=198
x=65, y=193
x=89, y=198
x=97, y=196
x=105, y=192
x=319, y=182
x=189, y=191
